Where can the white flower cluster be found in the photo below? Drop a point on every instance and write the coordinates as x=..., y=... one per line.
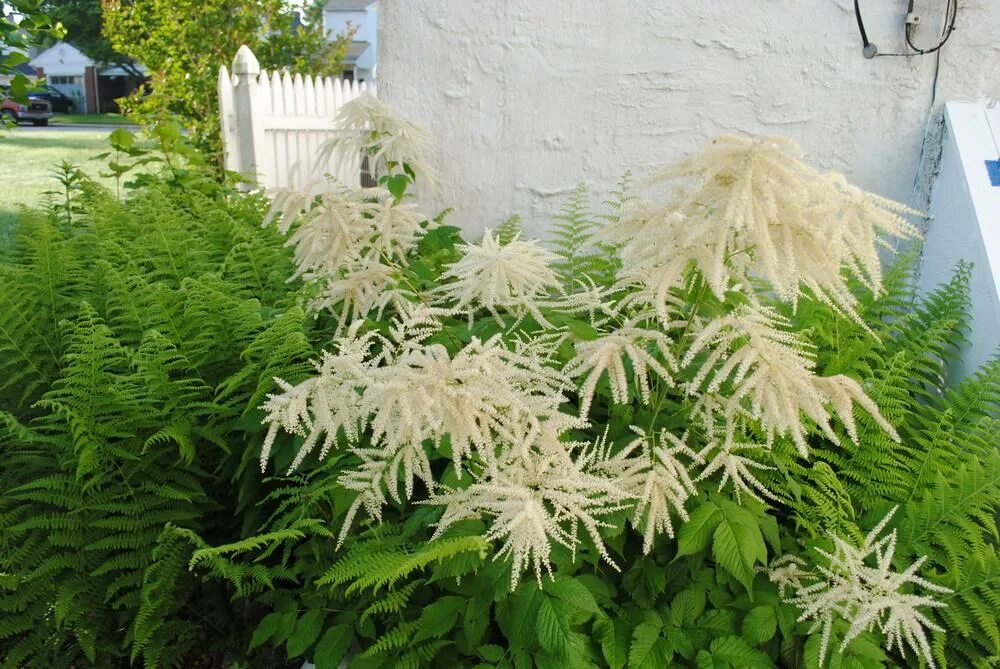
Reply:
x=514, y=276
x=747, y=208
x=366, y=126
x=497, y=406
x=770, y=374
x=859, y=585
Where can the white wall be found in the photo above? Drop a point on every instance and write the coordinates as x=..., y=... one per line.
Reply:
x=529, y=97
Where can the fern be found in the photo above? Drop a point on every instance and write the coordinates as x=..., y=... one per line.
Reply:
x=581, y=259
x=119, y=321
x=509, y=230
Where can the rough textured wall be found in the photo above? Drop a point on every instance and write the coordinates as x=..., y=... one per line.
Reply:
x=529, y=97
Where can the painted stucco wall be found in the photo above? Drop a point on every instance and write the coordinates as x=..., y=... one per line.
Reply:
x=529, y=97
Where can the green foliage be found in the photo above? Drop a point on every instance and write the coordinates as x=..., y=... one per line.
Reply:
x=581, y=259
x=183, y=44
x=140, y=335
x=121, y=321
x=82, y=21
x=23, y=24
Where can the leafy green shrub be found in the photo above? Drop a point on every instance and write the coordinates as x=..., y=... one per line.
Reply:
x=442, y=416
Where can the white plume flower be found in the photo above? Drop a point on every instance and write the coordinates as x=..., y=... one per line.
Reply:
x=607, y=354
x=367, y=126
x=534, y=500
x=325, y=404
x=750, y=207
x=481, y=391
x=341, y=225
x=736, y=467
x=858, y=584
x=361, y=286
x=770, y=375
x=650, y=470
x=515, y=276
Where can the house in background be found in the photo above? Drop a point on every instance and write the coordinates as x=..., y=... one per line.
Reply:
x=362, y=15
x=23, y=68
x=73, y=73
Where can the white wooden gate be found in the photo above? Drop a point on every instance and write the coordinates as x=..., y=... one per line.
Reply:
x=273, y=124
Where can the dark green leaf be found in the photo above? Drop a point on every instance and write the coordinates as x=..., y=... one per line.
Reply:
x=574, y=593
x=307, y=630
x=439, y=618
x=644, y=636
x=614, y=635
x=332, y=648
x=553, y=627
x=738, y=653
x=490, y=652
x=266, y=629
x=738, y=545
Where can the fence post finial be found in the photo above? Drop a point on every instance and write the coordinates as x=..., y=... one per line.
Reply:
x=245, y=62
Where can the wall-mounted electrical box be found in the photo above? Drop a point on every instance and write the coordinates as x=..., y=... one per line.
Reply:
x=965, y=223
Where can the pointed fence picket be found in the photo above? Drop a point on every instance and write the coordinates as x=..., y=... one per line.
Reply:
x=273, y=124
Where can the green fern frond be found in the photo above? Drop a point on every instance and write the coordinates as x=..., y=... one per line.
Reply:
x=366, y=566
x=509, y=229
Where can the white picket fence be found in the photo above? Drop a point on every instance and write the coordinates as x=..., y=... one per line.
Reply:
x=273, y=124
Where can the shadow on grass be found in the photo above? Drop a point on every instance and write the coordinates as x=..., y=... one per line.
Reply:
x=57, y=139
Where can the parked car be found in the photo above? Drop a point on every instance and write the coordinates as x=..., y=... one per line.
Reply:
x=37, y=110
x=61, y=103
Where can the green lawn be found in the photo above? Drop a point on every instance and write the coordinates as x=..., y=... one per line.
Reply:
x=91, y=119
x=28, y=159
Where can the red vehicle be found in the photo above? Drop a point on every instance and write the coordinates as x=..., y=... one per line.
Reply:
x=37, y=110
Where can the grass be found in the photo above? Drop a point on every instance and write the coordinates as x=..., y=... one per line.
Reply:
x=27, y=165
x=91, y=119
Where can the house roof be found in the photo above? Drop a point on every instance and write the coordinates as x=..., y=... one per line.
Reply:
x=62, y=58
x=347, y=5
x=354, y=50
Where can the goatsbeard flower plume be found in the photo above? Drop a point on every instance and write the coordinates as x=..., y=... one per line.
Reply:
x=490, y=420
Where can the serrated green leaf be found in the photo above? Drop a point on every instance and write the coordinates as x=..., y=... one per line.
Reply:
x=490, y=652
x=696, y=533
x=121, y=139
x=266, y=629
x=644, y=636
x=439, y=618
x=738, y=653
x=332, y=648
x=475, y=620
x=553, y=628
x=705, y=661
x=737, y=545
x=760, y=624
x=574, y=593
x=397, y=184
x=686, y=606
x=614, y=635
x=307, y=630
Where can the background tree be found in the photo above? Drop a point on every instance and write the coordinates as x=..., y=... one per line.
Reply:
x=182, y=43
x=22, y=24
x=83, y=23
